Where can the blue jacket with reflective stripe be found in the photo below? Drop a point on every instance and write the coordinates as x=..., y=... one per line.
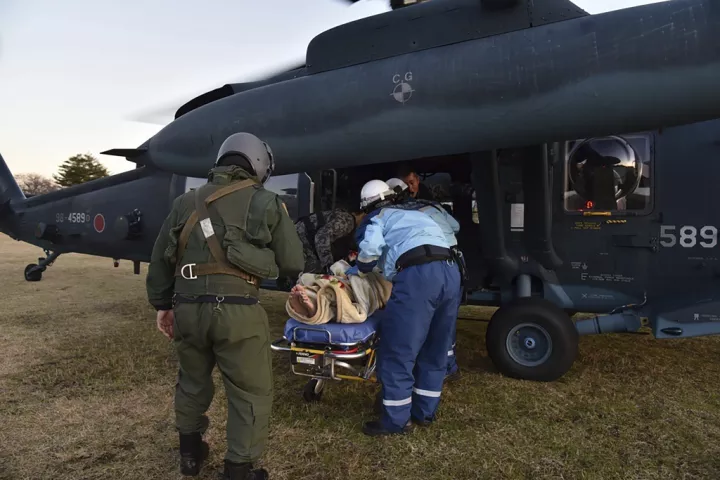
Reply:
x=385, y=234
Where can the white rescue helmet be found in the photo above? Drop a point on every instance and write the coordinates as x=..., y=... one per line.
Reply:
x=375, y=191
x=394, y=183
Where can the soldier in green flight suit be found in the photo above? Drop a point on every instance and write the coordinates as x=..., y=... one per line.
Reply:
x=215, y=246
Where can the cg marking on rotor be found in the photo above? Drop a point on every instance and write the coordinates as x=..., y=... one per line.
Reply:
x=403, y=90
x=99, y=223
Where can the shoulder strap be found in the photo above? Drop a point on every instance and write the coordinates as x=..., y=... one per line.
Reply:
x=233, y=187
x=193, y=219
x=216, y=251
x=430, y=203
x=321, y=220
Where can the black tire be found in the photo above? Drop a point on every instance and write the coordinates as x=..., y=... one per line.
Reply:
x=32, y=276
x=313, y=390
x=544, y=327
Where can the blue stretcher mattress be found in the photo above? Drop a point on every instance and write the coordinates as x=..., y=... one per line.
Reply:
x=339, y=332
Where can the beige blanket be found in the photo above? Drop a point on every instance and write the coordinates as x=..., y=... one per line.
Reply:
x=340, y=298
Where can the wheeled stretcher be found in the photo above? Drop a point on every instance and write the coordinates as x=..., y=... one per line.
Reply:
x=331, y=351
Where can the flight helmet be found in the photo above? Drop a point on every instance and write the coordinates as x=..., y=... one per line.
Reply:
x=249, y=152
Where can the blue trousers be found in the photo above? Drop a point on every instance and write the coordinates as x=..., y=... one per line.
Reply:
x=416, y=333
x=452, y=365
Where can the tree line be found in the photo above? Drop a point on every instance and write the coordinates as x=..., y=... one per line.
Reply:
x=75, y=170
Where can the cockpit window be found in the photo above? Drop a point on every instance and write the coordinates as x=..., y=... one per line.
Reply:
x=608, y=174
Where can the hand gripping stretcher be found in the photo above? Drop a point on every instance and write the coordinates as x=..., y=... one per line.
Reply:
x=331, y=351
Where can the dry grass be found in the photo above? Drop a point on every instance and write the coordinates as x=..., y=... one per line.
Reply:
x=86, y=393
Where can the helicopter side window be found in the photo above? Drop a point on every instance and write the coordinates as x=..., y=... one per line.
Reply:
x=609, y=174
x=286, y=186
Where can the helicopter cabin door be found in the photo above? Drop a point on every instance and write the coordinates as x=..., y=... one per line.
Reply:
x=603, y=227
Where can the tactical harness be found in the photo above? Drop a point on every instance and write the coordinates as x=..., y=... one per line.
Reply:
x=201, y=215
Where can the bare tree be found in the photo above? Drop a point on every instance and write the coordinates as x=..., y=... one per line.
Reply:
x=35, y=184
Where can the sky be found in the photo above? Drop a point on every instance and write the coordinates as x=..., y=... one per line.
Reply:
x=75, y=75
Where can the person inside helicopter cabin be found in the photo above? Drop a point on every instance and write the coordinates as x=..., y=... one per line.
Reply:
x=417, y=189
x=327, y=237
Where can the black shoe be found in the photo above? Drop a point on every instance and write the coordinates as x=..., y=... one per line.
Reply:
x=193, y=452
x=376, y=429
x=422, y=423
x=453, y=377
x=243, y=471
x=378, y=404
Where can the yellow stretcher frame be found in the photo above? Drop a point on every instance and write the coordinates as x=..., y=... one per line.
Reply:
x=328, y=362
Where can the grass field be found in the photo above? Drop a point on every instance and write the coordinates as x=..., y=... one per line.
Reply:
x=86, y=387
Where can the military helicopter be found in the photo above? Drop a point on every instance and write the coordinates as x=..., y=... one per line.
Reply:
x=576, y=152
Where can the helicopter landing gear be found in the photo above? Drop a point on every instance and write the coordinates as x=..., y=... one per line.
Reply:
x=33, y=272
x=532, y=339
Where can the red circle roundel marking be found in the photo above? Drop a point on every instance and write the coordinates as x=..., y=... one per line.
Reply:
x=99, y=223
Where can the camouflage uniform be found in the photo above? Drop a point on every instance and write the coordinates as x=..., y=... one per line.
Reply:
x=258, y=240
x=326, y=237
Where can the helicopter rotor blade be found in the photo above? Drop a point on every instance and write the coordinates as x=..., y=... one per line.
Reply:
x=164, y=114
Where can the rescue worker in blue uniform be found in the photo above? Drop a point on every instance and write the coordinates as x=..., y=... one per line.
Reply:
x=450, y=228
x=418, y=321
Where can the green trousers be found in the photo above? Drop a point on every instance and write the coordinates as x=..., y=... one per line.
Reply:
x=237, y=339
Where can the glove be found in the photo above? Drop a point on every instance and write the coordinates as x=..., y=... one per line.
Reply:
x=352, y=271
x=367, y=267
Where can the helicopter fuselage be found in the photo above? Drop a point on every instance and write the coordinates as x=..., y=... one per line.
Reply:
x=498, y=109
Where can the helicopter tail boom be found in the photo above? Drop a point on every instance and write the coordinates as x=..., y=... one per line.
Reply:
x=9, y=193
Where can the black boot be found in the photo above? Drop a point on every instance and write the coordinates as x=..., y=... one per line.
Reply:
x=421, y=423
x=453, y=377
x=376, y=429
x=193, y=452
x=243, y=471
x=378, y=405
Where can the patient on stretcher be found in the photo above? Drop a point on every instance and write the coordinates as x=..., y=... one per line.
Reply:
x=300, y=301
x=318, y=299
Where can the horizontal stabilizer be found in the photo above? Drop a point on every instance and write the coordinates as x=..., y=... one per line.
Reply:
x=129, y=153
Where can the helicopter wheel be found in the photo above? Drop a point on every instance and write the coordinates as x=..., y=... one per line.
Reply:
x=33, y=273
x=532, y=339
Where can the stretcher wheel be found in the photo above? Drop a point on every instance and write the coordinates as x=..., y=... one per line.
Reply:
x=532, y=339
x=313, y=390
